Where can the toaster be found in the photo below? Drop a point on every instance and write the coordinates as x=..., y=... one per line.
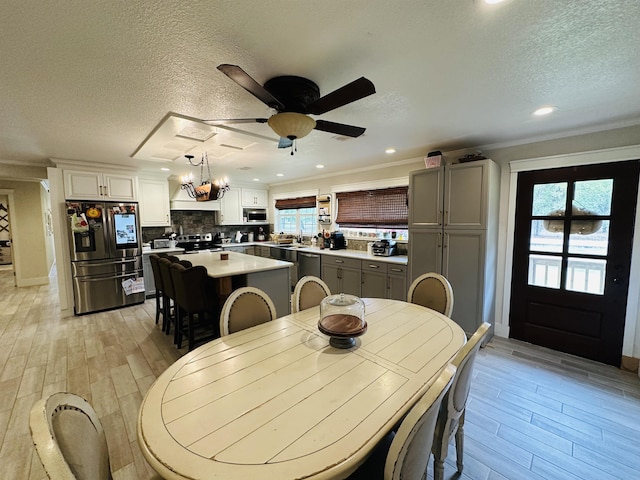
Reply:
x=162, y=243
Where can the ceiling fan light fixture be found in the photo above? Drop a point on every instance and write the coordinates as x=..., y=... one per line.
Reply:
x=291, y=125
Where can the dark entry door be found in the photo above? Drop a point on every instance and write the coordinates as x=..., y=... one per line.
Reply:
x=572, y=254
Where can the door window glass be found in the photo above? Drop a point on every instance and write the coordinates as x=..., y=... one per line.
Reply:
x=548, y=198
x=586, y=275
x=594, y=196
x=543, y=240
x=544, y=271
x=595, y=243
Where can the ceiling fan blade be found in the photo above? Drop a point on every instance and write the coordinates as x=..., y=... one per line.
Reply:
x=231, y=121
x=243, y=79
x=285, y=142
x=351, y=92
x=339, y=128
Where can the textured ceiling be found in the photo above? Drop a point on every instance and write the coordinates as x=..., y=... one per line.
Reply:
x=91, y=80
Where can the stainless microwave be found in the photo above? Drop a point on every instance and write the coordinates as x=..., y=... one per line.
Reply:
x=254, y=215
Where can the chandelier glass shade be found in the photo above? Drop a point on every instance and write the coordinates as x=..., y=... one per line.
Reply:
x=291, y=125
x=207, y=190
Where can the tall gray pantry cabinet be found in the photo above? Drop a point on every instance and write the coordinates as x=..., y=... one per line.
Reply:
x=453, y=230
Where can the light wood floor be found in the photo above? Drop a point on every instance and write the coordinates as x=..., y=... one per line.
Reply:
x=532, y=413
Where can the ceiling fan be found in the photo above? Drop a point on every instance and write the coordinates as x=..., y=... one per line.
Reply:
x=294, y=98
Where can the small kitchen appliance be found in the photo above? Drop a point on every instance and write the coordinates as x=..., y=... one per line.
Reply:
x=162, y=243
x=384, y=248
x=337, y=241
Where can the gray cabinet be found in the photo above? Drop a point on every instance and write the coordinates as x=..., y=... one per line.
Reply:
x=453, y=215
x=147, y=272
x=384, y=280
x=374, y=279
x=397, y=282
x=341, y=274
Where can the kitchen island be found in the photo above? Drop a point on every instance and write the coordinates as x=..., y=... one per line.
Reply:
x=240, y=270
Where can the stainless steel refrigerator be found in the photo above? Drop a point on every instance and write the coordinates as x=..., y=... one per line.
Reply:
x=106, y=255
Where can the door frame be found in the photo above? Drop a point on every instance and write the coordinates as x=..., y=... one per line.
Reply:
x=15, y=250
x=631, y=339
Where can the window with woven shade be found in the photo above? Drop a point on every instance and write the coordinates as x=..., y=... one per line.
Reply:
x=299, y=202
x=294, y=215
x=385, y=207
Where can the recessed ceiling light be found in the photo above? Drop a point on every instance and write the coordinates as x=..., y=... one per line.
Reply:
x=279, y=174
x=544, y=111
x=390, y=150
x=165, y=169
x=256, y=179
x=493, y=2
x=319, y=166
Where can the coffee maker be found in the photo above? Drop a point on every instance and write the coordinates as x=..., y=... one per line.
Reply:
x=337, y=241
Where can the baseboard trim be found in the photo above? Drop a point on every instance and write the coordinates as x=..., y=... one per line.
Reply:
x=32, y=282
x=630, y=364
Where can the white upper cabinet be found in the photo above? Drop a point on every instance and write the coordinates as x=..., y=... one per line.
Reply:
x=154, y=203
x=254, y=198
x=85, y=185
x=231, y=210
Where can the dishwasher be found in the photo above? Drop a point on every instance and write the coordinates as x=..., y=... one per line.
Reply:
x=287, y=254
x=308, y=264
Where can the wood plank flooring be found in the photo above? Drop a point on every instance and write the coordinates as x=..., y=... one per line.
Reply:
x=532, y=414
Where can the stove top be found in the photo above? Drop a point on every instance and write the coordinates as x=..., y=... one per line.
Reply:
x=196, y=242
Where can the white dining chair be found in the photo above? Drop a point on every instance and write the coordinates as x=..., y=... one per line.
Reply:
x=432, y=290
x=69, y=439
x=407, y=455
x=451, y=416
x=244, y=308
x=308, y=292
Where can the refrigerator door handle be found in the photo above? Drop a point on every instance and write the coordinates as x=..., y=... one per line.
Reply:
x=109, y=277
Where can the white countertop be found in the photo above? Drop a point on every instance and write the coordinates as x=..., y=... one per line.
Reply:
x=359, y=254
x=149, y=250
x=237, y=264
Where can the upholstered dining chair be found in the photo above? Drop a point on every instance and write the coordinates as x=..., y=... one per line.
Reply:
x=451, y=415
x=432, y=290
x=196, y=302
x=69, y=439
x=308, y=292
x=244, y=308
x=406, y=454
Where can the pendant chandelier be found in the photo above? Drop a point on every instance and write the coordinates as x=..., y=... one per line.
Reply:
x=207, y=190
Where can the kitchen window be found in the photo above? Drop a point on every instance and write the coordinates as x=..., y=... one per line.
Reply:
x=294, y=215
x=384, y=208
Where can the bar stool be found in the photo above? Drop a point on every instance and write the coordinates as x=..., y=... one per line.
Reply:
x=157, y=280
x=168, y=294
x=194, y=301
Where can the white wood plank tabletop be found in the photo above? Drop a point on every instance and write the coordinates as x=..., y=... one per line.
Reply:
x=276, y=401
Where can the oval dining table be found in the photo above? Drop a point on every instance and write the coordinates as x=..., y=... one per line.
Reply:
x=276, y=401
